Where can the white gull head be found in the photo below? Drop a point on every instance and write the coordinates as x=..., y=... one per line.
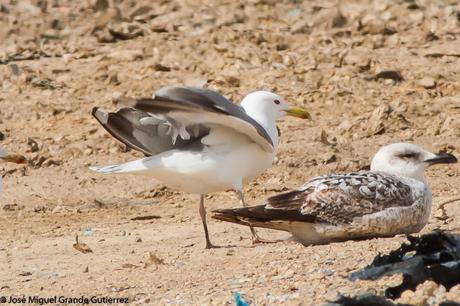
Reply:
x=265, y=107
x=270, y=105
x=409, y=160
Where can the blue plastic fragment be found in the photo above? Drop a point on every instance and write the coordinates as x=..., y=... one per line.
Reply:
x=238, y=300
x=88, y=232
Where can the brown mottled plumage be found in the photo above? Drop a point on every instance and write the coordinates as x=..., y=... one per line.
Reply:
x=390, y=199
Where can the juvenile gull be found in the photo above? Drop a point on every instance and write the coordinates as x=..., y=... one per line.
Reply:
x=392, y=198
x=197, y=141
x=11, y=158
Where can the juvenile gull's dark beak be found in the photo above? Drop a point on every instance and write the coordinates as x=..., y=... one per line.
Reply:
x=442, y=158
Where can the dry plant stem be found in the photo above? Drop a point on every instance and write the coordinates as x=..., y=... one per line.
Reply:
x=442, y=205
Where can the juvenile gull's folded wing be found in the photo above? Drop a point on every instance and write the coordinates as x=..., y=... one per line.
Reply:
x=339, y=198
x=333, y=199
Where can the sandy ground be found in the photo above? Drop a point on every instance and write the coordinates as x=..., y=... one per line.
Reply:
x=59, y=59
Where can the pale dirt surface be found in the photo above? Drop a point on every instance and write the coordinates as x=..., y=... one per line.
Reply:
x=62, y=58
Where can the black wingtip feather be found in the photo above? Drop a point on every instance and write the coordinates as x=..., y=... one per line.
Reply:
x=120, y=127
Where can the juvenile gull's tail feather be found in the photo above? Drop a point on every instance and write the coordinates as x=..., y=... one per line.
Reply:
x=300, y=226
x=259, y=216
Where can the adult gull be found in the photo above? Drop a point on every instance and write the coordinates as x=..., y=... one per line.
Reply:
x=197, y=141
x=392, y=198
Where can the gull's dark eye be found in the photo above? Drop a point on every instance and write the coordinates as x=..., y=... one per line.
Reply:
x=276, y=101
x=408, y=155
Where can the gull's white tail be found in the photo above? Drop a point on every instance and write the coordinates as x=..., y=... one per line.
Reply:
x=140, y=165
x=108, y=169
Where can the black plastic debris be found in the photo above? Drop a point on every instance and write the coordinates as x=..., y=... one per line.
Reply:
x=449, y=303
x=434, y=256
x=363, y=300
x=368, y=299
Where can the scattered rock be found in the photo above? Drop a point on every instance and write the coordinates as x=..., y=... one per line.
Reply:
x=448, y=48
x=50, y=162
x=376, y=121
x=57, y=209
x=161, y=67
x=116, y=96
x=232, y=80
x=426, y=82
x=371, y=24
x=394, y=75
x=452, y=102
x=33, y=145
x=101, y=22
x=25, y=273
x=100, y=5
x=125, y=30
x=12, y=207
x=40, y=208
x=339, y=20
x=154, y=260
x=140, y=10
x=15, y=69
x=421, y=295
x=323, y=137
x=329, y=158
x=113, y=79
x=301, y=27
x=126, y=55
x=128, y=266
x=382, y=112
x=451, y=126
x=45, y=83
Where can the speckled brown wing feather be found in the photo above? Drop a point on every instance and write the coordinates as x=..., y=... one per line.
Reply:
x=339, y=198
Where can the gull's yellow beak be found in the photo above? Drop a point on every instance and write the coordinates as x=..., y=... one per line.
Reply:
x=298, y=112
x=14, y=158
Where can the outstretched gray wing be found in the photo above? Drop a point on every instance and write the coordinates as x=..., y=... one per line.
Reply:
x=149, y=138
x=178, y=117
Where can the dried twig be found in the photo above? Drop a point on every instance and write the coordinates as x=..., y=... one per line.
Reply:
x=441, y=207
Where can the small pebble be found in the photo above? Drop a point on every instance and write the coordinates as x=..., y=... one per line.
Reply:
x=426, y=82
